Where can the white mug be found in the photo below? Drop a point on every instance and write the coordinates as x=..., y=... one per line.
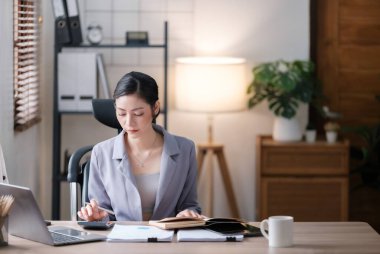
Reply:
x=280, y=231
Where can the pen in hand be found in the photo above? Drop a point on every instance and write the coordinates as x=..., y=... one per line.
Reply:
x=102, y=208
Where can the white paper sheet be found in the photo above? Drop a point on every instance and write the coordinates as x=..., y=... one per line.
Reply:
x=204, y=235
x=136, y=233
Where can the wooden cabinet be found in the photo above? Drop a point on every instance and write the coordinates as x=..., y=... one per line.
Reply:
x=307, y=181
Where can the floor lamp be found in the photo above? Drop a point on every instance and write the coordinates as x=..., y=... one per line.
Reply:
x=212, y=85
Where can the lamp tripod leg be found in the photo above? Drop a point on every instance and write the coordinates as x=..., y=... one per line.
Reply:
x=227, y=183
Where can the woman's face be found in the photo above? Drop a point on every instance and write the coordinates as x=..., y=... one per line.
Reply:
x=134, y=114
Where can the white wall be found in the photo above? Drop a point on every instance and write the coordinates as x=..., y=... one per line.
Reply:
x=21, y=150
x=255, y=29
x=259, y=31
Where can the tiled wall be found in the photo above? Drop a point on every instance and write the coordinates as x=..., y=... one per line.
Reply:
x=116, y=17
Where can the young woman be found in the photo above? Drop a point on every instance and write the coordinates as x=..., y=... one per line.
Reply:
x=144, y=173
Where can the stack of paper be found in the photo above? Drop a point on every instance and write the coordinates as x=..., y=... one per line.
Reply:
x=136, y=233
x=204, y=235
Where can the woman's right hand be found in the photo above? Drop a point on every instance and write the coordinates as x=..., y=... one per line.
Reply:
x=91, y=212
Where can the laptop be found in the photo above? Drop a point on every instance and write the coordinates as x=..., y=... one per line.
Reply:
x=26, y=221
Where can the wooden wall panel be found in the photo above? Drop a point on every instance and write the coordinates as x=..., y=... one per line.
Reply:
x=367, y=81
x=359, y=58
x=326, y=49
x=359, y=32
x=348, y=58
x=359, y=8
x=359, y=104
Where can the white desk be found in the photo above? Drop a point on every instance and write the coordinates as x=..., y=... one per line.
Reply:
x=309, y=237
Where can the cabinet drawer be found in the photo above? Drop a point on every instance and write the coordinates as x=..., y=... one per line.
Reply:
x=304, y=160
x=306, y=198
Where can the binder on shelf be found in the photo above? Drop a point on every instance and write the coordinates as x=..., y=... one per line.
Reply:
x=74, y=22
x=77, y=81
x=62, y=32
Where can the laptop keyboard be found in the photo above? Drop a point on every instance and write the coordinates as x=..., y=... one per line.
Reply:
x=60, y=238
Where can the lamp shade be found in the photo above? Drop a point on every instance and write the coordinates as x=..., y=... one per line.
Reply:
x=210, y=84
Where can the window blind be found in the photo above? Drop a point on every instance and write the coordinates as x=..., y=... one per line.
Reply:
x=26, y=73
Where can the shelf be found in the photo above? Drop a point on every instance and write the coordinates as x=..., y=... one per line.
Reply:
x=162, y=111
x=75, y=112
x=58, y=115
x=115, y=46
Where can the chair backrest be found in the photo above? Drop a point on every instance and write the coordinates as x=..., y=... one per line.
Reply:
x=79, y=170
x=78, y=178
x=104, y=112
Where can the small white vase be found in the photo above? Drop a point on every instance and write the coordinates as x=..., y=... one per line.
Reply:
x=285, y=129
x=310, y=136
x=331, y=136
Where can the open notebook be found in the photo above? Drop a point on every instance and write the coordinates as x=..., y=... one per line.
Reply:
x=226, y=226
x=26, y=221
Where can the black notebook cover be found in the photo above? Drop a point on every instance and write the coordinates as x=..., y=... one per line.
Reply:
x=230, y=226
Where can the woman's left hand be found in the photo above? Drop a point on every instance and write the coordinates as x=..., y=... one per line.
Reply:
x=190, y=213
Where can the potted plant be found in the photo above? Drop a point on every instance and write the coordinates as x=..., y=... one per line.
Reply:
x=284, y=85
x=310, y=133
x=368, y=155
x=331, y=129
x=365, y=174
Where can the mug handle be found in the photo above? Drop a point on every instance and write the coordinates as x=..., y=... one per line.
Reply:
x=262, y=228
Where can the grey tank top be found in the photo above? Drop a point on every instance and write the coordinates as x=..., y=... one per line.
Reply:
x=147, y=185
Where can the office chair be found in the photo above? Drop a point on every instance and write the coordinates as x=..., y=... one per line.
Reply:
x=78, y=168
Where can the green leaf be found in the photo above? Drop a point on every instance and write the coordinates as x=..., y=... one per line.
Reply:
x=250, y=88
x=284, y=84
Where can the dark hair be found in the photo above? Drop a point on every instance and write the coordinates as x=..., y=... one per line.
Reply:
x=140, y=84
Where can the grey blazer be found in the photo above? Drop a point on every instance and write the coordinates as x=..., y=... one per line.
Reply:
x=113, y=184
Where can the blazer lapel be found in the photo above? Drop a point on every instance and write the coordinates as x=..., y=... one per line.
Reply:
x=124, y=167
x=168, y=170
x=120, y=155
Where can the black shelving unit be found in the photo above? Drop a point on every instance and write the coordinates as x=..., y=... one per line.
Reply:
x=58, y=177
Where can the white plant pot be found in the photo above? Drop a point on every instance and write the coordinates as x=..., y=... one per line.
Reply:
x=286, y=129
x=331, y=136
x=310, y=136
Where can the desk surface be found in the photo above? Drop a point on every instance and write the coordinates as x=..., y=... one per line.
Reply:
x=309, y=237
